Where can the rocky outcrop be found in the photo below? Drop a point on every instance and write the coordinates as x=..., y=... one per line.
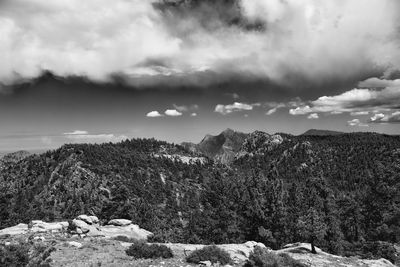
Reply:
x=36, y=226
x=18, y=229
x=221, y=148
x=259, y=143
x=88, y=226
x=82, y=226
x=302, y=253
x=120, y=222
x=238, y=252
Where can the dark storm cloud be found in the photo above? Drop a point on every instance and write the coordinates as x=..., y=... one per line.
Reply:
x=178, y=43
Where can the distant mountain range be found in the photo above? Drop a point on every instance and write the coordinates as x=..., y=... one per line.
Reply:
x=321, y=132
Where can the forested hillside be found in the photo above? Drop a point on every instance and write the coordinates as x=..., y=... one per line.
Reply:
x=339, y=192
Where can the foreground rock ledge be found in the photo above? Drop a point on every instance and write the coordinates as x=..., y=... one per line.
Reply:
x=86, y=243
x=82, y=226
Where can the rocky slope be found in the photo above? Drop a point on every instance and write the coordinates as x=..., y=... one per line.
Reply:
x=84, y=242
x=221, y=148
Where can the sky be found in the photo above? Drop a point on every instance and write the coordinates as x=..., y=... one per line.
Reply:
x=103, y=71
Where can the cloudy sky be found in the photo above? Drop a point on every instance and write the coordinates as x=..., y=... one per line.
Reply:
x=102, y=71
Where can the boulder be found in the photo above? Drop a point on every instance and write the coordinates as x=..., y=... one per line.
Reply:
x=18, y=229
x=88, y=219
x=120, y=222
x=75, y=244
x=80, y=225
x=302, y=253
x=38, y=226
x=130, y=231
x=85, y=218
x=95, y=220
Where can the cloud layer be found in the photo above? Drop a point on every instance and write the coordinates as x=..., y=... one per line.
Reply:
x=143, y=43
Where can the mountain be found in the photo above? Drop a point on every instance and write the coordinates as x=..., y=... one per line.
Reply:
x=275, y=189
x=222, y=148
x=321, y=132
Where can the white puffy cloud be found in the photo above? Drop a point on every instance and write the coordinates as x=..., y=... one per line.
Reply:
x=300, y=110
x=356, y=101
x=154, y=114
x=271, y=111
x=359, y=113
x=313, y=116
x=79, y=136
x=172, y=113
x=356, y=122
x=185, y=108
x=77, y=132
x=386, y=118
x=378, y=116
x=194, y=114
x=314, y=39
x=236, y=106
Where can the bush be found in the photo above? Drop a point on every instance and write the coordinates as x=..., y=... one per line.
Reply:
x=24, y=253
x=261, y=257
x=209, y=253
x=372, y=250
x=14, y=255
x=142, y=250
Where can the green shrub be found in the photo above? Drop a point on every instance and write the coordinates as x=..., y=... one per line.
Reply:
x=372, y=250
x=14, y=255
x=23, y=253
x=261, y=257
x=142, y=250
x=209, y=253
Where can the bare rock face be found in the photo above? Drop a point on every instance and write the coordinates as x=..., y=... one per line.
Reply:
x=39, y=226
x=18, y=229
x=302, y=253
x=36, y=226
x=88, y=219
x=131, y=231
x=239, y=253
x=83, y=225
x=120, y=222
x=88, y=225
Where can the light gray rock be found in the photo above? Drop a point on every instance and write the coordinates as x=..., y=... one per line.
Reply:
x=18, y=229
x=302, y=253
x=130, y=231
x=38, y=226
x=87, y=219
x=120, y=222
x=95, y=220
x=75, y=244
x=238, y=252
x=83, y=226
x=206, y=263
